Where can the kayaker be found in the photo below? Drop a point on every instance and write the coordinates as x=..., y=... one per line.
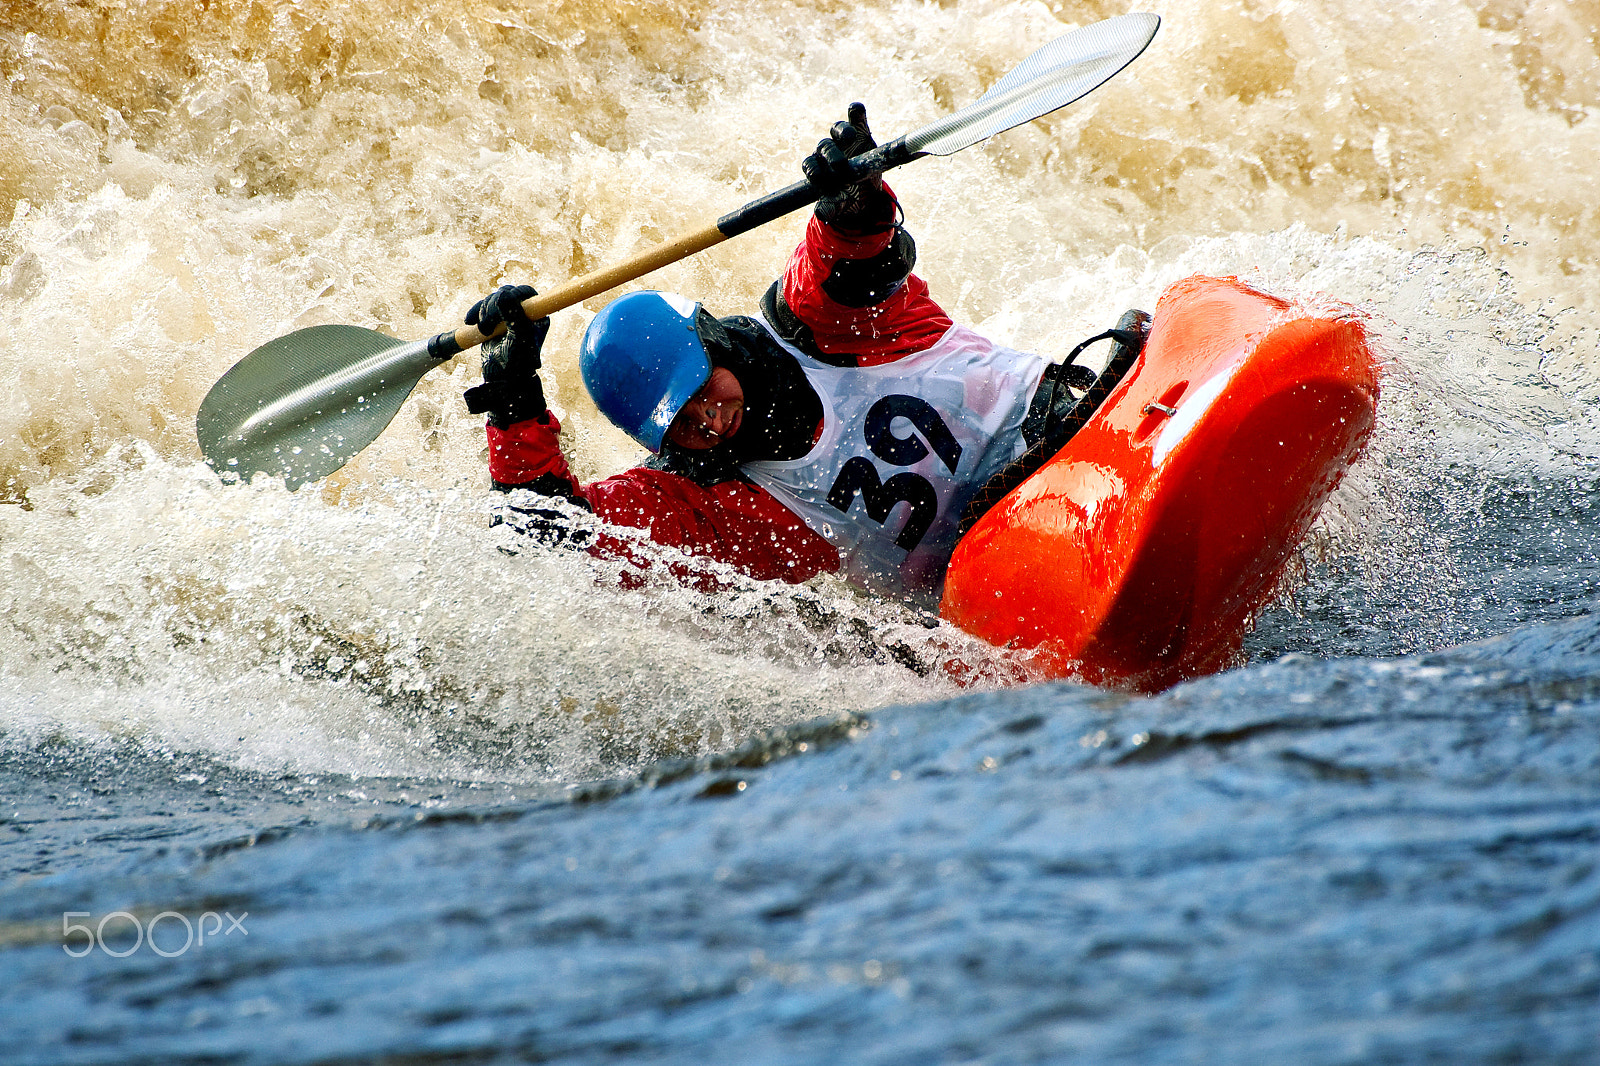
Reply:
x=764, y=432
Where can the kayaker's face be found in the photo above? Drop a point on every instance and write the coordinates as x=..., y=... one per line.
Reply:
x=712, y=415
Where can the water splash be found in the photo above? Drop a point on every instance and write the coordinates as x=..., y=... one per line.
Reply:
x=185, y=184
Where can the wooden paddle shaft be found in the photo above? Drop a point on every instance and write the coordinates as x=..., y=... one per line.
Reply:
x=596, y=282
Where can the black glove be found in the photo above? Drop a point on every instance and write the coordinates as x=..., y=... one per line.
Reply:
x=862, y=205
x=511, y=391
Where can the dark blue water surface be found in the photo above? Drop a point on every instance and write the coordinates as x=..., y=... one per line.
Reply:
x=1345, y=854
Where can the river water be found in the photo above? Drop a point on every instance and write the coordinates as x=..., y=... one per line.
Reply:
x=326, y=777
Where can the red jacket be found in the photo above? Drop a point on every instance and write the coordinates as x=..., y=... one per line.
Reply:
x=908, y=321
x=734, y=522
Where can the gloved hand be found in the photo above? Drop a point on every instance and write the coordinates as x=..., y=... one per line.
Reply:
x=511, y=391
x=851, y=205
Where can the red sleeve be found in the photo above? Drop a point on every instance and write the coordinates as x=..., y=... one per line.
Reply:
x=526, y=451
x=734, y=523
x=909, y=321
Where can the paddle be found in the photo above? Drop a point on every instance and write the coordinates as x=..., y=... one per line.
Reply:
x=305, y=404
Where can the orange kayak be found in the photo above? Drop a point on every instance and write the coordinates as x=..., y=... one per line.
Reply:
x=1138, y=555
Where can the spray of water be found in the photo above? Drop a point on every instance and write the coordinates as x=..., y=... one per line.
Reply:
x=185, y=182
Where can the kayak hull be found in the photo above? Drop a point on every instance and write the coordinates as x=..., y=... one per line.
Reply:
x=1138, y=555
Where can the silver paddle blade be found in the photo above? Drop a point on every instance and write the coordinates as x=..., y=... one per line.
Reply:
x=1062, y=71
x=302, y=406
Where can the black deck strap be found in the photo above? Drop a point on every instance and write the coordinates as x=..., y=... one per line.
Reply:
x=1129, y=337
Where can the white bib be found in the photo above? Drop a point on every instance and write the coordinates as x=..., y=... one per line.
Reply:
x=904, y=446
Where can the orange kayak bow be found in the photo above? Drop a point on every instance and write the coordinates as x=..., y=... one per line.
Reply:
x=1138, y=555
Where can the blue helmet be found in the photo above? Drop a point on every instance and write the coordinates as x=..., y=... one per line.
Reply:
x=642, y=359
